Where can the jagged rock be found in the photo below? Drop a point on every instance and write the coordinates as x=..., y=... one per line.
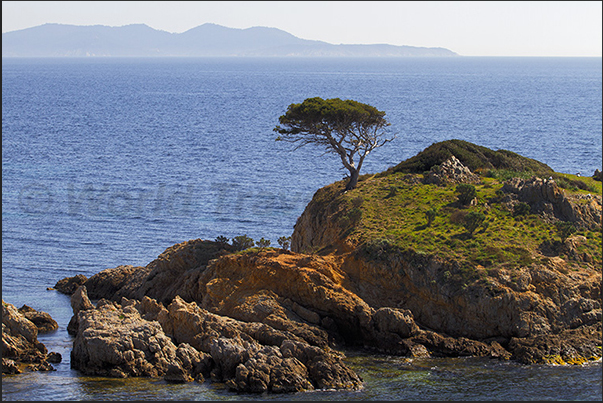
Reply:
x=194, y=362
x=269, y=371
x=546, y=198
x=68, y=285
x=244, y=362
x=396, y=321
x=170, y=274
x=442, y=345
x=109, y=282
x=281, y=295
x=130, y=338
x=268, y=320
x=79, y=302
x=598, y=175
x=325, y=368
x=20, y=345
x=174, y=272
x=450, y=171
x=117, y=342
x=9, y=367
x=572, y=346
x=308, y=281
x=42, y=320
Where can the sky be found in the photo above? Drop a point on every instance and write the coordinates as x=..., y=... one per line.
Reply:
x=472, y=28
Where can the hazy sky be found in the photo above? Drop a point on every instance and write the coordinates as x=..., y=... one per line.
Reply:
x=473, y=28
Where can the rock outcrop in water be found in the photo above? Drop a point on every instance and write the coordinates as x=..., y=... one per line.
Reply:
x=183, y=342
x=366, y=271
x=21, y=350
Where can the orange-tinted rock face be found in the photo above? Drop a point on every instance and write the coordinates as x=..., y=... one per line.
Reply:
x=546, y=297
x=329, y=290
x=260, y=318
x=344, y=298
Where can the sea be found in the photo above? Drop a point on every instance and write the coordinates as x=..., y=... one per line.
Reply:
x=109, y=161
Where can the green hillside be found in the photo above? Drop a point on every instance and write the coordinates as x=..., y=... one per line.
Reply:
x=389, y=212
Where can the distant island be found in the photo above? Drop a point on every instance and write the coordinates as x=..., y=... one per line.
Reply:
x=207, y=40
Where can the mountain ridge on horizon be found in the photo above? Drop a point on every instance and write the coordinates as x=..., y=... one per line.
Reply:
x=208, y=39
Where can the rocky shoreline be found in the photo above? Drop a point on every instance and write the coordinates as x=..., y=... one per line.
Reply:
x=273, y=320
x=21, y=350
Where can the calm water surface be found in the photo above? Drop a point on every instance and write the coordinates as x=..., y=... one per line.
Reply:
x=110, y=161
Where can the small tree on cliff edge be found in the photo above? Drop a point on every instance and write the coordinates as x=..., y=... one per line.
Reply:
x=346, y=128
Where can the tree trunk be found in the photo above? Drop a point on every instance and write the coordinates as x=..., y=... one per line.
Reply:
x=354, y=174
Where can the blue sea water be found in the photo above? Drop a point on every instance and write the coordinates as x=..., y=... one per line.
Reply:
x=110, y=161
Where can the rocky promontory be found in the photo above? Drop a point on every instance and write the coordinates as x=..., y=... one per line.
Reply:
x=404, y=264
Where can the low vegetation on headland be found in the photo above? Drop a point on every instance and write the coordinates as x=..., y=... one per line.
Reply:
x=400, y=210
x=457, y=251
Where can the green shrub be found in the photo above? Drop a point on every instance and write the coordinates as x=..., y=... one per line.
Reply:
x=242, y=242
x=503, y=175
x=473, y=221
x=393, y=191
x=263, y=243
x=431, y=215
x=564, y=229
x=572, y=184
x=466, y=193
x=521, y=208
x=357, y=201
x=474, y=157
x=350, y=217
x=378, y=249
x=458, y=217
x=222, y=240
x=284, y=242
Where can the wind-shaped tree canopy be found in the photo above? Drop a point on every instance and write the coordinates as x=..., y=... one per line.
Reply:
x=344, y=127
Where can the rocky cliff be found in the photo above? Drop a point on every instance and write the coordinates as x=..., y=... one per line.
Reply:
x=485, y=285
x=369, y=268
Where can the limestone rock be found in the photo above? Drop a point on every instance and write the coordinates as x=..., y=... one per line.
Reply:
x=79, y=302
x=450, y=171
x=117, y=342
x=546, y=198
x=20, y=345
x=109, y=282
x=42, y=320
x=242, y=360
x=68, y=285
